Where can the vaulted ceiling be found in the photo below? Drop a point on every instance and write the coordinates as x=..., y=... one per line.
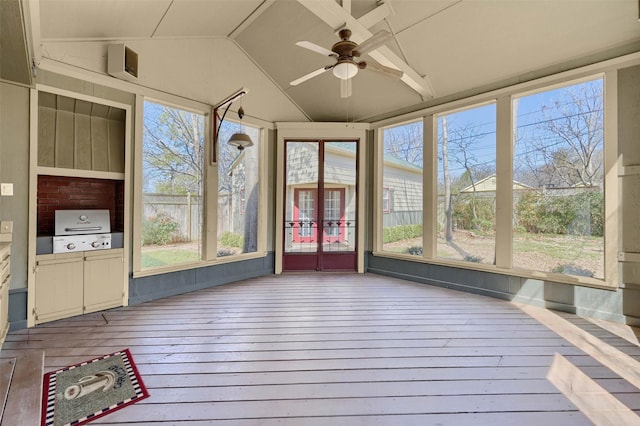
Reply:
x=444, y=47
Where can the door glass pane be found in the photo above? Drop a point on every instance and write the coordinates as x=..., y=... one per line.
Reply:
x=339, y=221
x=301, y=192
x=332, y=213
x=306, y=205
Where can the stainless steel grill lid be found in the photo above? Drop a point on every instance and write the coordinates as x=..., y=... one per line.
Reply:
x=82, y=222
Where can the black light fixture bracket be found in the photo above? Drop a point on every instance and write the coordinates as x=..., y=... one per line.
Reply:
x=217, y=120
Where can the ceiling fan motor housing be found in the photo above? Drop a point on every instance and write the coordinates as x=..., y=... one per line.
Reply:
x=344, y=47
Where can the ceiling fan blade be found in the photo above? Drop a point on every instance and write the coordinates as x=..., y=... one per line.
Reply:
x=310, y=75
x=345, y=88
x=315, y=48
x=392, y=72
x=372, y=43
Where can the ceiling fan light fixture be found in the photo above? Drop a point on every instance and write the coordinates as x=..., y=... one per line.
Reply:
x=240, y=140
x=345, y=70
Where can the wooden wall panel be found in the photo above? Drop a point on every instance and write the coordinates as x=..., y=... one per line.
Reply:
x=116, y=146
x=46, y=136
x=76, y=134
x=99, y=144
x=83, y=158
x=64, y=139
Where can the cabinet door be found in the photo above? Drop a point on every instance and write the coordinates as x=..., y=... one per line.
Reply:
x=58, y=286
x=103, y=279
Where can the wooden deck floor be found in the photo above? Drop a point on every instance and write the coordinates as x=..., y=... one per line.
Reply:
x=351, y=350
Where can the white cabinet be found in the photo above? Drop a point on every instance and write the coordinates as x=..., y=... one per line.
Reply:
x=5, y=250
x=69, y=284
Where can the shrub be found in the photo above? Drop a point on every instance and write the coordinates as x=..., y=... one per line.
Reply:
x=590, y=204
x=401, y=232
x=472, y=258
x=414, y=250
x=225, y=252
x=580, y=214
x=229, y=239
x=570, y=268
x=484, y=218
x=160, y=229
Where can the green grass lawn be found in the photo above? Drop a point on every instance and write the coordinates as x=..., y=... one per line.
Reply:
x=157, y=258
x=561, y=247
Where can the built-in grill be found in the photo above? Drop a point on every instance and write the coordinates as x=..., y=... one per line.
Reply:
x=81, y=230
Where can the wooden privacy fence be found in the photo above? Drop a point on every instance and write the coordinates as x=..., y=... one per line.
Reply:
x=186, y=211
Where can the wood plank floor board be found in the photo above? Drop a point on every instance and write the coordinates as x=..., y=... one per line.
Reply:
x=391, y=406
x=454, y=419
x=315, y=349
x=7, y=367
x=364, y=389
x=25, y=389
x=298, y=345
x=600, y=374
x=337, y=354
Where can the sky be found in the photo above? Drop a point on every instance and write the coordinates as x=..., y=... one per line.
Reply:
x=481, y=123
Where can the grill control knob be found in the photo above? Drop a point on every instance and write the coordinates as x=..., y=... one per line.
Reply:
x=83, y=217
x=71, y=246
x=95, y=244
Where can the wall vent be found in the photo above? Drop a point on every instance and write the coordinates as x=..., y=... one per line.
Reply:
x=122, y=62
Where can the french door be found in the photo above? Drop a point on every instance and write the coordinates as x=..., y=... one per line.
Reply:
x=320, y=206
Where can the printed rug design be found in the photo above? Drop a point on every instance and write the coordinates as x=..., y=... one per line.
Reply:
x=83, y=392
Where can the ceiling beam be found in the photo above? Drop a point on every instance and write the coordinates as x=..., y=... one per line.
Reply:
x=337, y=18
x=376, y=15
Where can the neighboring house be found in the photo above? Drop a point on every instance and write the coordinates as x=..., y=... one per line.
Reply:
x=488, y=185
x=402, y=192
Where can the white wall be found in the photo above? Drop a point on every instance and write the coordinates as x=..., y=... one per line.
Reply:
x=205, y=70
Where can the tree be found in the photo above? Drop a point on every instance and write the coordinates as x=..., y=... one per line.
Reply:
x=405, y=143
x=173, y=150
x=565, y=146
x=461, y=168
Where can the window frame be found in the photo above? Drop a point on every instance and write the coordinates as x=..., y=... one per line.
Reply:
x=504, y=170
x=210, y=205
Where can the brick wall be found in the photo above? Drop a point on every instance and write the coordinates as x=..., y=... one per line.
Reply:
x=69, y=193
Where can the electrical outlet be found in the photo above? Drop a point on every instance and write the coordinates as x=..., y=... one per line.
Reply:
x=6, y=189
x=6, y=227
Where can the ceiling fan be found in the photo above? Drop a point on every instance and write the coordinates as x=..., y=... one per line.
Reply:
x=346, y=67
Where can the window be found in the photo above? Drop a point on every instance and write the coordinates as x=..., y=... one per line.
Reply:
x=238, y=192
x=558, y=205
x=172, y=186
x=554, y=223
x=386, y=200
x=402, y=177
x=467, y=185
